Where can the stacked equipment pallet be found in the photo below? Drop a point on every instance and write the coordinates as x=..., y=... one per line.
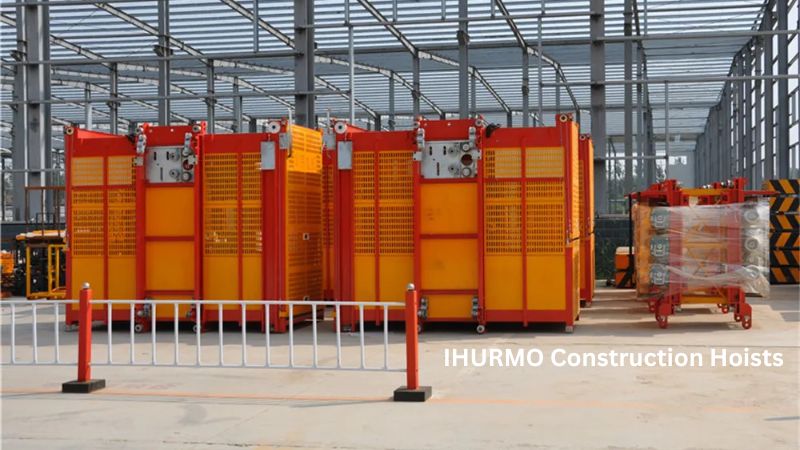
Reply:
x=484, y=220
x=700, y=246
x=784, y=252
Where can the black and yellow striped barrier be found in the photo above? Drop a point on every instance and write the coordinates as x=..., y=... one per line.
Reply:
x=784, y=222
x=784, y=204
x=784, y=275
x=785, y=239
x=784, y=257
x=784, y=187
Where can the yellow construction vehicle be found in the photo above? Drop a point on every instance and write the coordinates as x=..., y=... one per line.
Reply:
x=41, y=262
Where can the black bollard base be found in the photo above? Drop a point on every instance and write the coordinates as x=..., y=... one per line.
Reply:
x=419, y=394
x=82, y=387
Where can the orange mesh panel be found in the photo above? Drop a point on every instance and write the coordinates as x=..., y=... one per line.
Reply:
x=87, y=223
x=87, y=171
x=251, y=203
x=121, y=222
x=574, y=183
x=364, y=192
x=396, y=209
x=503, y=218
x=545, y=217
x=544, y=162
x=504, y=163
x=304, y=215
x=120, y=170
x=219, y=204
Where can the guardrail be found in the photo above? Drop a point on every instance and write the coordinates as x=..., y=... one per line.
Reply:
x=84, y=383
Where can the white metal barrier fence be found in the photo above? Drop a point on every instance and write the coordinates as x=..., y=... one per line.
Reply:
x=85, y=361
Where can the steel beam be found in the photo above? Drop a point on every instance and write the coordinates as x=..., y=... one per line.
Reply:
x=473, y=91
x=525, y=89
x=37, y=82
x=256, y=27
x=19, y=153
x=282, y=37
x=782, y=129
x=113, y=106
x=237, y=109
x=749, y=147
x=210, y=102
x=87, y=108
x=740, y=118
x=415, y=94
x=769, y=100
x=598, y=97
x=304, y=63
x=758, y=169
x=463, y=60
x=666, y=129
x=163, y=49
x=628, y=114
x=391, y=102
x=413, y=49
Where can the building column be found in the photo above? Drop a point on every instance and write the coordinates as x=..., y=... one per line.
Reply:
x=304, y=63
x=782, y=149
x=164, y=51
x=598, y=100
x=463, y=60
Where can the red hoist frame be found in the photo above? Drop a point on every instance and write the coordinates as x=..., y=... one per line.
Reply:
x=173, y=136
x=731, y=298
x=337, y=131
x=86, y=143
x=355, y=140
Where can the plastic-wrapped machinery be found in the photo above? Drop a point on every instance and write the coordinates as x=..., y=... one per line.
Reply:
x=706, y=245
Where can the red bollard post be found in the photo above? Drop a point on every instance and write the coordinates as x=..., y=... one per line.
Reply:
x=412, y=391
x=84, y=384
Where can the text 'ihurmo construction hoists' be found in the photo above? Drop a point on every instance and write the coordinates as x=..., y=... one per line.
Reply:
x=171, y=212
x=484, y=221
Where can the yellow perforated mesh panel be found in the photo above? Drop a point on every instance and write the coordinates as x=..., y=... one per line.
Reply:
x=251, y=203
x=544, y=162
x=304, y=215
x=87, y=171
x=545, y=217
x=120, y=170
x=364, y=202
x=505, y=163
x=87, y=223
x=574, y=183
x=503, y=209
x=121, y=222
x=396, y=209
x=219, y=204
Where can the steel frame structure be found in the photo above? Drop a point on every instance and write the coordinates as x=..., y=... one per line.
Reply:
x=639, y=74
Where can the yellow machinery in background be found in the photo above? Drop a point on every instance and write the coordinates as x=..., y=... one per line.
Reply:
x=7, y=270
x=40, y=254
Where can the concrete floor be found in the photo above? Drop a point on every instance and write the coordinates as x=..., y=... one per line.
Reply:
x=477, y=407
